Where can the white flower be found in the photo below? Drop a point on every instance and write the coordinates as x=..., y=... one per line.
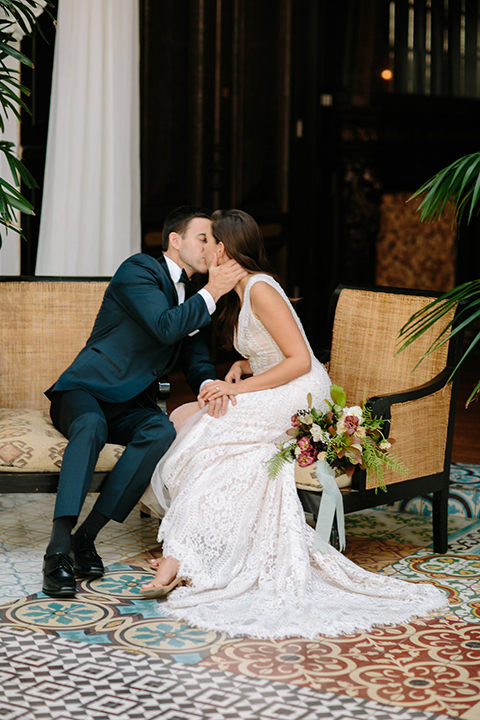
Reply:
x=385, y=445
x=360, y=432
x=318, y=434
x=297, y=451
x=341, y=426
x=356, y=411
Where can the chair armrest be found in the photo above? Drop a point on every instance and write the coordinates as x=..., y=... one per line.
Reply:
x=381, y=405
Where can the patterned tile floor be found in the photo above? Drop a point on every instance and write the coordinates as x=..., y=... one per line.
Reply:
x=464, y=494
x=109, y=654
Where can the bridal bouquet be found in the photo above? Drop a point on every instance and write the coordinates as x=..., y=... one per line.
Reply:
x=344, y=437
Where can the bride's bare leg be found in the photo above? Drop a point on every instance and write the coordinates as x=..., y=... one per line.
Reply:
x=167, y=569
x=182, y=413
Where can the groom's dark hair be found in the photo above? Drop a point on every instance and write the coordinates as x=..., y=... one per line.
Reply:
x=177, y=221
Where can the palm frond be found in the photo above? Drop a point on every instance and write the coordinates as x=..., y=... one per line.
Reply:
x=21, y=12
x=453, y=186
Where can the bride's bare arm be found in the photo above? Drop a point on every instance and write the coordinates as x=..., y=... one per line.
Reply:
x=273, y=312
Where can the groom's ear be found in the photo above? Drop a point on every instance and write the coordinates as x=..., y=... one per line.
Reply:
x=174, y=240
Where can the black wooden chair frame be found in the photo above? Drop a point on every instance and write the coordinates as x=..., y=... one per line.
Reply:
x=358, y=497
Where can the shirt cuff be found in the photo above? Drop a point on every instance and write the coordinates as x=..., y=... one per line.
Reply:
x=209, y=301
x=205, y=381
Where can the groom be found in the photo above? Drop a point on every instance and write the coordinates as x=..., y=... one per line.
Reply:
x=148, y=322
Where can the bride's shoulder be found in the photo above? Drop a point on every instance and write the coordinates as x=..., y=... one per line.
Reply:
x=264, y=288
x=260, y=281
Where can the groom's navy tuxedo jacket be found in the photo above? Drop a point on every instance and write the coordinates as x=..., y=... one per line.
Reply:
x=140, y=333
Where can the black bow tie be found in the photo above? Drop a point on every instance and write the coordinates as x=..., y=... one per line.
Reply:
x=184, y=279
x=188, y=285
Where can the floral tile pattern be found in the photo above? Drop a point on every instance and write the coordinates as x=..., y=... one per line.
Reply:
x=463, y=498
x=377, y=553
x=465, y=475
x=25, y=525
x=399, y=527
x=41, y=676
x=427, y=665
x=110, y=610
x=457, y=575
x=416, y=670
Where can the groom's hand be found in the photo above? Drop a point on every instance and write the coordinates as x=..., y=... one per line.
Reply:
x=218, y=406
x=223, y=278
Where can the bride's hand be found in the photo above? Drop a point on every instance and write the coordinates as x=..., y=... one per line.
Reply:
x=216, y=406
x=218, y=392
x=235, y=373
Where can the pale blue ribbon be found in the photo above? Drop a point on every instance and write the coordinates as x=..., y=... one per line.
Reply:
x=330, y=503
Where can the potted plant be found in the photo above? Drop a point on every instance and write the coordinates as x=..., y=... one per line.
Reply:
x=20, y=16
x=456, y=187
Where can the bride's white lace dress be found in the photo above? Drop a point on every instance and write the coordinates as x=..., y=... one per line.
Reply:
x=242, y=539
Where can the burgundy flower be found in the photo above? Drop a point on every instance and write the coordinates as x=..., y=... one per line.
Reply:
x=351, y=423
x=303, y=443
x=305, y=459
x=295, y=420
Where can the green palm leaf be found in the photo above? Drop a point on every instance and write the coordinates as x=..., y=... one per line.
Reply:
x=11, y=89
x=457, y=187
x=451, y=187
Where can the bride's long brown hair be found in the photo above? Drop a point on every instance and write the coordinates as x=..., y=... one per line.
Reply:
x=243, y=242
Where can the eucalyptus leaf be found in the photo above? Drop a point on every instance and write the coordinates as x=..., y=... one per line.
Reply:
x=338, y=395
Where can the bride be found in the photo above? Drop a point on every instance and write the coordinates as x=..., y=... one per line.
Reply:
x=238, y=538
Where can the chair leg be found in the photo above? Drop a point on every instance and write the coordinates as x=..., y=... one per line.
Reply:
x=440, y=521
x=334, y=536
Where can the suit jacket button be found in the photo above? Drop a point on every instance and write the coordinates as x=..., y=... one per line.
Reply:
x=154, y=372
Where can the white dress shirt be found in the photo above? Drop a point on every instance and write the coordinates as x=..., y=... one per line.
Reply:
x=175, y=273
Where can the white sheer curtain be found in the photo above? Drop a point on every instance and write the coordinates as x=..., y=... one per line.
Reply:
x=90, y=218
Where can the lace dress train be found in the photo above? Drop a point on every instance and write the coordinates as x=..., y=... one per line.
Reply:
x=241, y=538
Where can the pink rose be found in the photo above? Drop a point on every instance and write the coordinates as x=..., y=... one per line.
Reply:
x=351, y=424
x=295, y=420
x=303, y=443
x=305, y=459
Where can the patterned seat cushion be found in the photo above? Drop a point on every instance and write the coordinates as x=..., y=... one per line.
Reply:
x=30, y=443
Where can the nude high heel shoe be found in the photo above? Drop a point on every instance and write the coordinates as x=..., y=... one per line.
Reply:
x=161, y=589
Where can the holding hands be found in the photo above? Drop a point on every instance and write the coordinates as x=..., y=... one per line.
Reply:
x=217, y=399
x=218, y=393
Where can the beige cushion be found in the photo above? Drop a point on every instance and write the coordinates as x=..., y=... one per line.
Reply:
x=30, y=443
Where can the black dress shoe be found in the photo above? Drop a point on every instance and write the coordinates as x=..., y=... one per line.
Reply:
x=58, y=575
x=87, y=562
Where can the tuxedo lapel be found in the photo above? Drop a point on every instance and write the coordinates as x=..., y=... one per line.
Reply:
x=178, y=346
x=164, y=267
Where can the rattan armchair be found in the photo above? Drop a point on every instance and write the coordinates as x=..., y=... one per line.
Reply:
x=363, y=326
x=44, y=323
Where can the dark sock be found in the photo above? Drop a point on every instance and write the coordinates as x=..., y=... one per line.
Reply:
x=60, y=539
x=92, y=525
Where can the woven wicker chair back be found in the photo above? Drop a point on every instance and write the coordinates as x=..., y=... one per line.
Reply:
x=43, y=325
x=365, y=340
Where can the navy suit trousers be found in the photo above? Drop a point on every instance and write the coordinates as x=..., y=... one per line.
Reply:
x=89, y=423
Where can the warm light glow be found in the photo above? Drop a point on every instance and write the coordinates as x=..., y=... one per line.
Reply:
x=387, y=74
